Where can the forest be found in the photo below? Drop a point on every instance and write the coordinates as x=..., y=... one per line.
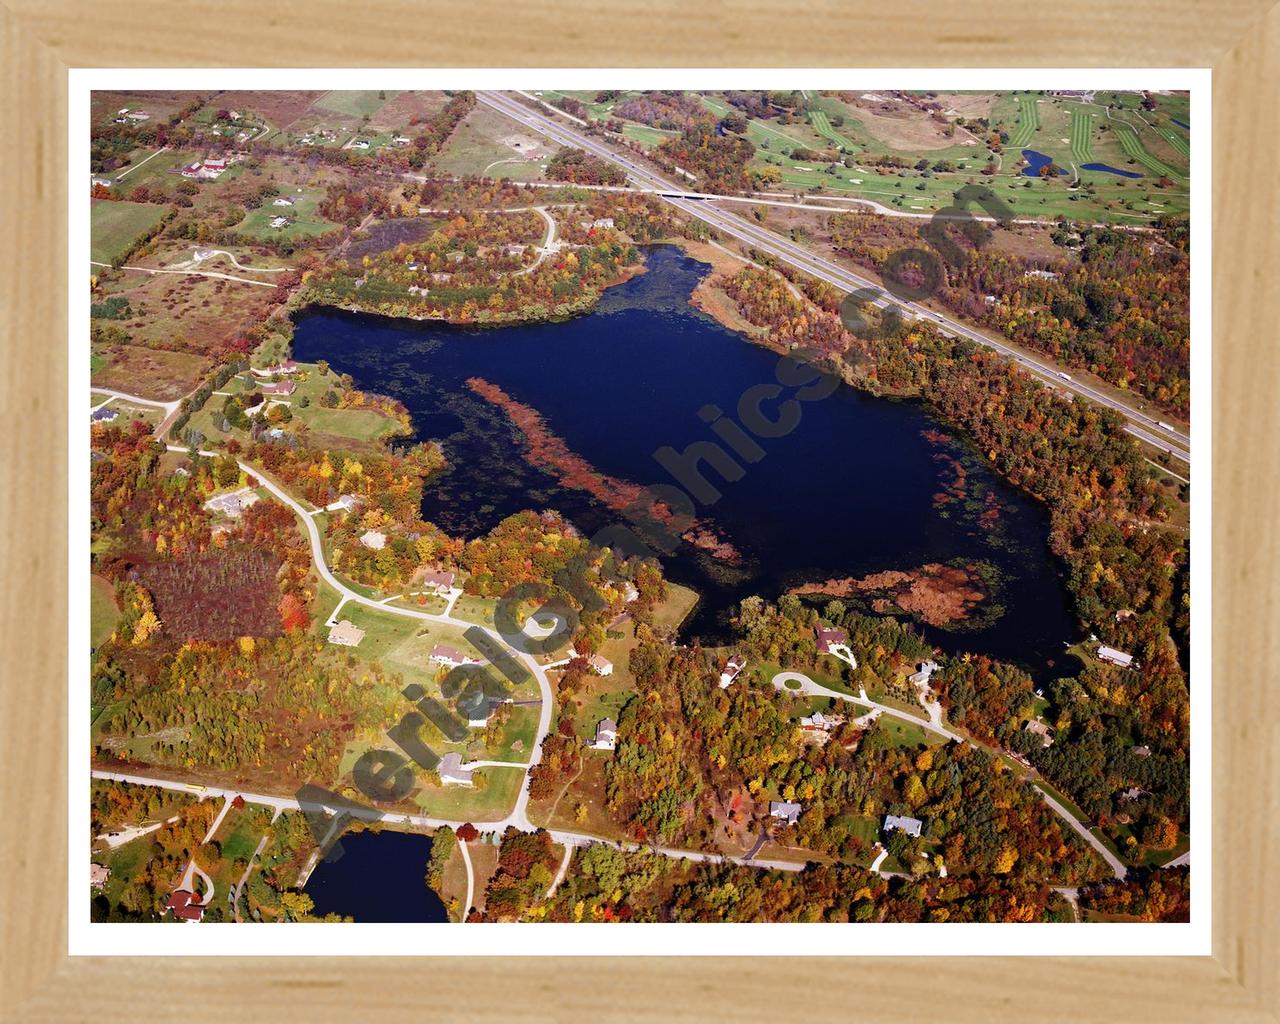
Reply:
x=1115, y=303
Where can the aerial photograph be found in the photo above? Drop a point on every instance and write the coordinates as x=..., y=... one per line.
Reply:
x=629, y=506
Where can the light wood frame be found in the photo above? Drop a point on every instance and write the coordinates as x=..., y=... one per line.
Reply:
x=41, y=39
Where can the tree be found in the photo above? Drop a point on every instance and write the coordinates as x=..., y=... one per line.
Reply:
x=467, y=832
x=296, y=905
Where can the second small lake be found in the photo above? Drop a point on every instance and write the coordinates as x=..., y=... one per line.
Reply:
x=380, y=878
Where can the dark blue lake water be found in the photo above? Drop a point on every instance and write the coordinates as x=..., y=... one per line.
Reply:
x=855, y=489
x=1034, y=162
x=1107, y=168
x=379, y=878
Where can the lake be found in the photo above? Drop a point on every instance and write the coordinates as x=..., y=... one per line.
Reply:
x=861, y=486
x=1108, y=169
x=379, y=878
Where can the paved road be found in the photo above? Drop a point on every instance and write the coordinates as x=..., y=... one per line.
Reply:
x=290, y=803
x=1142, y=426
x=545, y=250
x=519, y=814
x=812, y=689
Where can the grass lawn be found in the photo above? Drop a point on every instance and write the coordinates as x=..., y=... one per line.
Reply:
x=898, y=733
x=360, y=424
x=471, y=608
x=453, y=884
x=383, y=631
x=114, y=226
x=304, y=217
x=103, y=611
x=156, y=171
x=468, y=803
x=675, y=609
x=124, y=862
x=364, y=425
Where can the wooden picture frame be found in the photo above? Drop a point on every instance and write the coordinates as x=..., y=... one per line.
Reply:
x=43, y=38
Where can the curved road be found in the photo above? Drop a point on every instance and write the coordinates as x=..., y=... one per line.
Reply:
x=811, y=689
x=1142, y=426
x=518, y=816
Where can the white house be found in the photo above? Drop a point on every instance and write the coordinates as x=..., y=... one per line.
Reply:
x=606, y=734
x=820, y=722
x=232, y=504
x=479, y=717
x=925, y=673
x=451, y=771
x=785, y=810
x=1115, y=657
x=731, y=669
x=282, y=201
x=600, y=666
x=911, y=826
x=375, y=540
x=279, y=222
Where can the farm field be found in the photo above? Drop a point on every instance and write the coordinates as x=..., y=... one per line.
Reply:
x=160, y=104
x=353, y=102
x=278, y=108
x=113, y=226
x=149, y=373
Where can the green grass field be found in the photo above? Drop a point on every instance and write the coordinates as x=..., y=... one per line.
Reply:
x=1028, y=122
x=147, y=169
x=304, y=218
x=103, y=611
x=360, y=424
x=1177, y=139
x=476, y=148
x=338, y=424
x=353, y=102
x=114, y=226
x=822, y=125
x=1081, y=136
x=1133, y=146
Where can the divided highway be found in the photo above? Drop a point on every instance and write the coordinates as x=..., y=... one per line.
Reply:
x=1140, y=425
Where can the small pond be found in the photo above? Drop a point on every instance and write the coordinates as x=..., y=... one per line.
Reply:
x=1035, y=161
x=380, y=878
x=1108, y=169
